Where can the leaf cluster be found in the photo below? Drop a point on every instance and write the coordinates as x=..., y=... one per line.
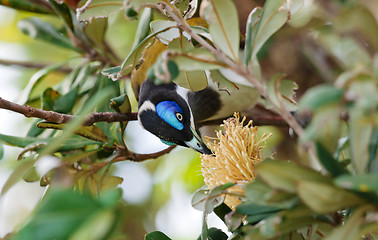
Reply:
x=188, y=42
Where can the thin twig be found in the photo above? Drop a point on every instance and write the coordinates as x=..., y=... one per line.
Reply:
x=125, y=154
x=238, y=68
x=55, y=117
x=137, y=157
x=25, y=64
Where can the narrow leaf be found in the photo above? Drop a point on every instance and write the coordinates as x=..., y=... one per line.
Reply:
x=222, y=17
x=281, y=92
x=328, y=161
x=156, y=235
x=26, y=5
x=1, y=151
x=320, y=96
x=95, y=30
x=21, y=168
x=72, y=158
x=286, y=175
x=252, y=21
x=325, y=198
x=273, y=16
x=41, y=30
x=70, y=144
x=90, y=132
x=361, y=182
x=143, y=26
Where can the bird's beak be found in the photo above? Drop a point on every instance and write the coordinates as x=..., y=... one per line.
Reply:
x=197, y=144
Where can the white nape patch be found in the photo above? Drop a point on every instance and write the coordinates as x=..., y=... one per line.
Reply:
x=183, y=92
x=147, y=105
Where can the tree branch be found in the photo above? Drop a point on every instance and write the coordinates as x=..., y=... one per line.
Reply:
x=137, y=157
x=55, y=117
x=125, y=154
x=25, y=64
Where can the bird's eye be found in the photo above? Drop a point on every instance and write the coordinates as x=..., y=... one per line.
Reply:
x=179, y=116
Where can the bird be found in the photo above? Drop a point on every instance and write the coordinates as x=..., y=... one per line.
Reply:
x=173, y=113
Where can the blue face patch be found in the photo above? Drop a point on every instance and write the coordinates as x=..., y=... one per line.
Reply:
x=170, y=112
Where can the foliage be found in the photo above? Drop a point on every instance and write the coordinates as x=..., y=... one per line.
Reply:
x=329, y=190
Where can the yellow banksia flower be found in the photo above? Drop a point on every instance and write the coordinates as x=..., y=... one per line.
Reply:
x=235, y=154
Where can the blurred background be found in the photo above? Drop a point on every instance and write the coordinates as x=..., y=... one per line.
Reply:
x=156, y=190
x=148, y=187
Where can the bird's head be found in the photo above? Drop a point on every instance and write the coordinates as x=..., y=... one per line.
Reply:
x=164, y=111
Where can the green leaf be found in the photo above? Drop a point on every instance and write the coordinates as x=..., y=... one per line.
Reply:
x=31, y=175
x=361, y=182
x=133, y=58
x=328, y=161
x=257, y=190
x=206, y=200
x=40, y=81
x=34, y=131
x=253, y=209
x=286, y=175
x=281, y=92
x=273, y=16
x=164, y=70
x=114, y=72
x=26, y=5
x=48, y=98
x=373, y=146
x=99, y=97
x=73, y=158
x=166, y=36
x=222, y=17
x=320, y=96
x=41, y=30
x=325, y=198
x=64, y=13
x=1, y=151
x=131, y=13
x=65, y=103
x=138, y=4
x=215, y=234
x=143, y=26
x=252, y=219
x=21, y=168
x=196, y=59
x=70, y=144
x=100, y=8
x=156, y=235
x=91, y=132
x=63, y=213
x=351, y=228
x=233, y=220
x=191, y=62
x=121, y=104
x=193, y=80
x=251, y=28
x=288, y=221
x=96, y=227
x=95, y=30
x=336, y=45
